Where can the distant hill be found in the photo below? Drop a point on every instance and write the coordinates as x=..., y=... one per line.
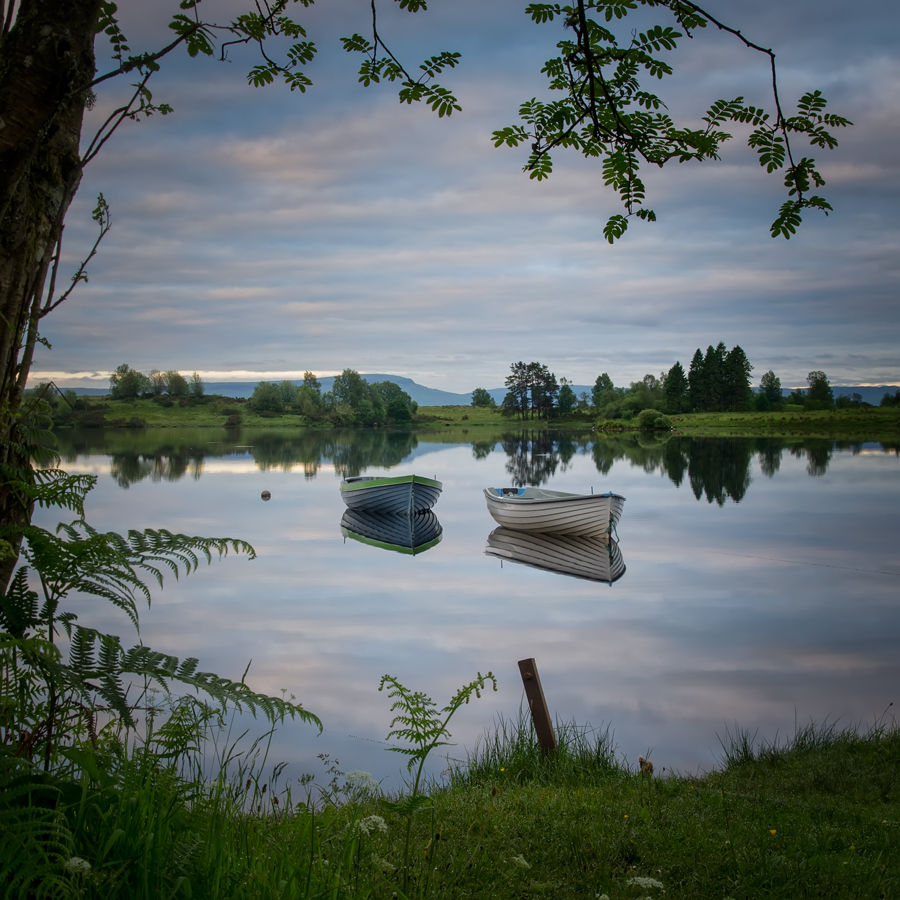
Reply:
x=869, y=393
x=426, y=396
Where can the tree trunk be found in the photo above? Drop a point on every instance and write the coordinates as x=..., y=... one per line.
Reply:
x=46, y=68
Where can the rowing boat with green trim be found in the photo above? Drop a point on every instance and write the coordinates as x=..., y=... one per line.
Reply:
x=400, y=494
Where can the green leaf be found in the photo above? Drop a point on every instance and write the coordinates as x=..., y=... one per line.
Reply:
x=260, y=75
x=788, y=220
x=615, y=227
x=356, y=44
x=543, y=12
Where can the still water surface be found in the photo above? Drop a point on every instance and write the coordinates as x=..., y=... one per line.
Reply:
x=760, y=586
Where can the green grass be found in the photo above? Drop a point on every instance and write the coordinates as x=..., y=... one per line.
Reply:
x=818, y=817
x=869, y=422
x=213, y=413
x=472, y=416
x=458, y=422
x=484, y=416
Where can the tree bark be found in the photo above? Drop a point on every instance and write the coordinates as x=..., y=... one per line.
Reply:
x=47, y=64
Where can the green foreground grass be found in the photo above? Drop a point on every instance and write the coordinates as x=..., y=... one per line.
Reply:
x=819, y=817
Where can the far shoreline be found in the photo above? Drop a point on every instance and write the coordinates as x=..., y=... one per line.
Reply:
x=863, y=423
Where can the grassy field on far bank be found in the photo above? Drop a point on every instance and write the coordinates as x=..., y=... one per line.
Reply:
x=869, y=423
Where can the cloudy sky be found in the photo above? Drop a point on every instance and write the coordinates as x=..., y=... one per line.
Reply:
x=259, y=233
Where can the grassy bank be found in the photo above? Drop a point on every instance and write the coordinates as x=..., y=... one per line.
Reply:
x=867, y=423
x=817, y=818
x=870, y=423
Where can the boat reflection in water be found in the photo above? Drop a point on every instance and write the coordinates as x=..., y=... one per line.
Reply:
x=594, y=557
x=393, y=531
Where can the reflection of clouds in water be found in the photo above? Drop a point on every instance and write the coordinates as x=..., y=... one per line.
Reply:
x=700, y=634
x=249, y=466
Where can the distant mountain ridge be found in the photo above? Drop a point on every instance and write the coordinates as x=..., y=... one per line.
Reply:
x=426, y=396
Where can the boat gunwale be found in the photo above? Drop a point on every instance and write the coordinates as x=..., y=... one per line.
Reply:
x=561, y=497
x=367, y=482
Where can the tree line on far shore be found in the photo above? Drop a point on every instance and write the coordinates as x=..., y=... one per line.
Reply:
x=351, y=401
x=130, y=384
x=718, y=380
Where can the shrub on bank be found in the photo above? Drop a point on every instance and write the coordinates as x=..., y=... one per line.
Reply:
x=653, y=420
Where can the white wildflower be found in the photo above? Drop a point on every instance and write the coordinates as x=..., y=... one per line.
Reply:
x=383, y=865
x=371, y=824
x=78, y=866
x=643, y=881
x=520, y=861
x=361, y=784
x=602, y=896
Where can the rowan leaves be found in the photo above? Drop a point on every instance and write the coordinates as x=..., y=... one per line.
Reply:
x=606, y=112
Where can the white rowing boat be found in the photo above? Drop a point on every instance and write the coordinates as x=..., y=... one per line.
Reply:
x=539, y=509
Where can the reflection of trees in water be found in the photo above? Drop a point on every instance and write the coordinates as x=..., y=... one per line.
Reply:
x=818, y=455
x=277, y=451
x=128, y=468
x=717, y=468
x=674, y=462
x=351, y=452
x=770, y=459
x=567, y=446
x=645, y=451
x=533, y=457
x=355, y=451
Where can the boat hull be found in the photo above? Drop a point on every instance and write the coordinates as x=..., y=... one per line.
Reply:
x=401, y=495
x=539, y=510
x=591, y=557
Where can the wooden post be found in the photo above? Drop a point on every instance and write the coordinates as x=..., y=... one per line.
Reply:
x=540, y=715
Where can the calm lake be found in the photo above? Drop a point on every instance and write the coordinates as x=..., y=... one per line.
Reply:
x=760, y=585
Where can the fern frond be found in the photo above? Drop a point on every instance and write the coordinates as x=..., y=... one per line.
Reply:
x=420, y=724
x=35, y=841
x=48, y=487
x=19, y=606
x=163, y=669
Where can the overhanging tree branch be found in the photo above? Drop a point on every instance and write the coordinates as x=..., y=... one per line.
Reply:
x=605, y=112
